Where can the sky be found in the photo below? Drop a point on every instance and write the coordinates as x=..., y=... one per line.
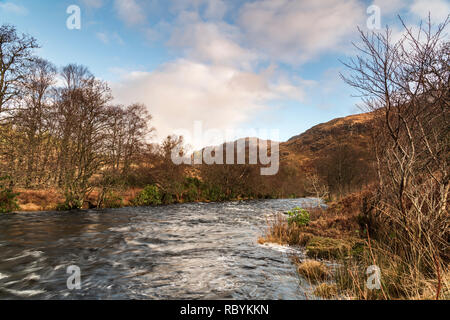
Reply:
x=267, y=65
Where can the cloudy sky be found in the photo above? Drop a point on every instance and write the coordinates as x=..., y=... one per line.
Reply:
x=231, y=64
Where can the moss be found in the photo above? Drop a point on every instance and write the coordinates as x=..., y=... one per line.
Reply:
x=358, y=249
x=327, y=248
x=326, y=291
x=314, y=271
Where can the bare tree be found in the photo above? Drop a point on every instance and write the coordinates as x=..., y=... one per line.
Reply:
x=344, y=169
x=33, y=118
x=168, y=175
x=137, y=131
x=15, y=56
x=316, y=186
x=407, y=84
x=82, y=125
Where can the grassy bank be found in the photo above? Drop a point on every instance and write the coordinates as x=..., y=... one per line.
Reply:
x=192, y=191
x=53, y=199
x=343, y=234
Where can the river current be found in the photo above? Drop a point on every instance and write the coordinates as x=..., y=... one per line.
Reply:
x=185, y=251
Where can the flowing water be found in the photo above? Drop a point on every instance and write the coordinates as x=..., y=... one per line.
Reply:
x=187, y=251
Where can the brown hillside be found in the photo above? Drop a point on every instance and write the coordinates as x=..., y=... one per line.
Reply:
x=321, y=139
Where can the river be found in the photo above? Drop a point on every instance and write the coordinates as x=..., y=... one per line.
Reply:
x=185, y=251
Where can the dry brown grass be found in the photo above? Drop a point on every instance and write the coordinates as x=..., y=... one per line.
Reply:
x=314, y=271
x=339, y=221
x=280, y=232
x=328, y=248
x=49, y=199
x=399, y=279
x=326, y=291
x=129, y=195
x=338, y=234
x=39, y=200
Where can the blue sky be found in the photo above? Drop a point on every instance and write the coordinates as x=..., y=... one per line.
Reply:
x=271, y=64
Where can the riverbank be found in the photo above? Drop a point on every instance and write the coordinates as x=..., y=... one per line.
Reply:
x=51, y=199
x=30, y=200
x=365, y=266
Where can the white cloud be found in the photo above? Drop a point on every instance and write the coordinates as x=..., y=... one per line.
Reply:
x=216, y=9
x=13, y=8
x=439, y=9
x=216, y=43
x=182, y=92
x=297, y=31
x=158, y=31
x=130, y=11
x=215, y=82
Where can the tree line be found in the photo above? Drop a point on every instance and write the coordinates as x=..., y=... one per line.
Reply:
x=58, y=126
x=60, y=129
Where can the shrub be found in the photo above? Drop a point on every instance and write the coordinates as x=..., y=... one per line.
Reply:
x=191, y=195
x=62, y=206
x=213, y=193
x=148, y=197
x=189, y=181
x=191, y=189
x=113, y=200
x=8, y=199
x=72, y=202
x=298, y=216
x=167, y=198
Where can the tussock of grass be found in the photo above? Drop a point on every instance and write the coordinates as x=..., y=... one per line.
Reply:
x=327, y=248
x=313, y=270
x=326, y=291
x=280, y=232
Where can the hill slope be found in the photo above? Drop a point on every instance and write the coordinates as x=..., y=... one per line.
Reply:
x=322, y=139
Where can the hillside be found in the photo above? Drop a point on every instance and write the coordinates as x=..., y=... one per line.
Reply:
x=322, y=139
